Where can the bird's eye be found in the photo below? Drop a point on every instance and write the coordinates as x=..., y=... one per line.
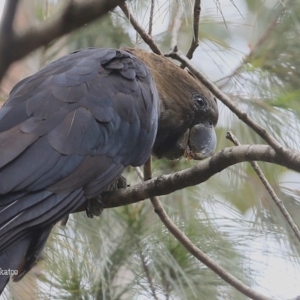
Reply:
x=200, y=101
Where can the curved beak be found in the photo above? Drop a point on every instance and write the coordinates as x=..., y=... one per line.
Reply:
x=197, y=143
x=202, y=142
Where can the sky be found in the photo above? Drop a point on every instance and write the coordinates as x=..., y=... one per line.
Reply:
x=277, y=275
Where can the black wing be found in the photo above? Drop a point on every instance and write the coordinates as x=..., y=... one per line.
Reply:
x=66, y=134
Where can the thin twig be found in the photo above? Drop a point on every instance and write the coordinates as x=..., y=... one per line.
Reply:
x=269, y=188
x=195, y=41
x=201, y=256
x=264, y=37
x=74, y=15
x=144, y=35
x=140, y=173
x=147, y=273
x=176, y=25
x=194, y=250
x=253, y=49
x=151, y=18
x=148, y=169
x=227, y=101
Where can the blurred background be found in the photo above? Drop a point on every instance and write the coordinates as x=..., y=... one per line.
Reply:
x=250, y=49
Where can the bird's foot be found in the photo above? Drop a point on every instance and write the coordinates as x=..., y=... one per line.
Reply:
x=94, y=207
x=121, y=183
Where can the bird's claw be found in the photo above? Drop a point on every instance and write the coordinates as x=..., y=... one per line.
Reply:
x=94, y=207
x=121, y=182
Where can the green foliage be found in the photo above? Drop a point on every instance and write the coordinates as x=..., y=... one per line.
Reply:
x=126, y=253
x=280, y=55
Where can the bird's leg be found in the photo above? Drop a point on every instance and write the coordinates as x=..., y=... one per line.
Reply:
x=121, y=183
x=94, y=206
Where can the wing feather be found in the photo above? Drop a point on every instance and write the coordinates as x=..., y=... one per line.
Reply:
x=95, y=105
x=12, y=143
x=66, y=134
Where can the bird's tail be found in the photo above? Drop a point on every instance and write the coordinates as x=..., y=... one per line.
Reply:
x=19, y=258
x=25, y=224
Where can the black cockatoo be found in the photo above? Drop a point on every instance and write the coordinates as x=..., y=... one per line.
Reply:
x=68, y=131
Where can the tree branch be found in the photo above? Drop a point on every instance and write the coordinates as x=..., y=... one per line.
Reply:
x=167, y=184
x=144, y=35
x=270, y=190
x=73, y=16
x=151, y=18
x=176, y=25
x=7, y=34
x=201, y=256
x=227, y=101
x=9, y=12
x=139, y=173
x=195, y=41
x=148, y=169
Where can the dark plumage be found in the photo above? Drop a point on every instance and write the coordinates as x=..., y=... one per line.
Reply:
x=188, y=111
x=68, y=132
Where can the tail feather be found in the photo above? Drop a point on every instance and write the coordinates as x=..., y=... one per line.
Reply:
x=9, y=261
x=27, y=227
